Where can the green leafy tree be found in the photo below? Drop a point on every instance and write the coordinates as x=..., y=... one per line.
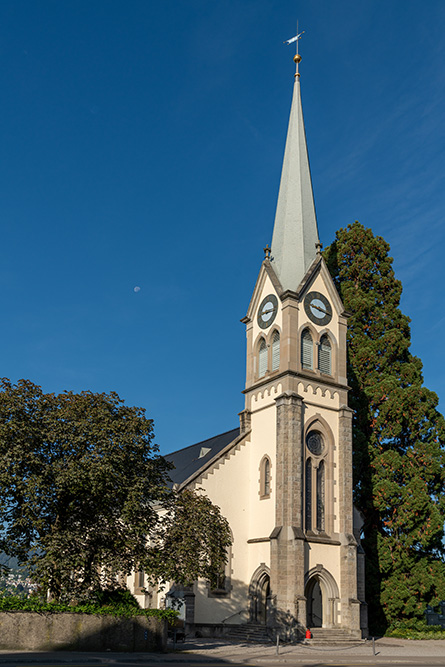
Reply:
x=81, y=489
x=192, y=542
x=399, y=436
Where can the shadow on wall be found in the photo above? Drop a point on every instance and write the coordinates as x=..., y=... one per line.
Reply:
x=80, y=632
x=241, y=604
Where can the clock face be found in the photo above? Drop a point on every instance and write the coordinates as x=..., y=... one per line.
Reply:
x=317, y=307
x=267, y=311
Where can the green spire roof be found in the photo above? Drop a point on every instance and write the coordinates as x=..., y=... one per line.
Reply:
x=295, y=232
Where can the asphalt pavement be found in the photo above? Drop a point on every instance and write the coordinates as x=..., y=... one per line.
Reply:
x=212, y=652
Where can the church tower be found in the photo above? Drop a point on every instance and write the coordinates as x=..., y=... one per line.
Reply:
x=283, y=480
x=297, y=414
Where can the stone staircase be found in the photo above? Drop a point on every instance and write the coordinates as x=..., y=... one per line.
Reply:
x=333, y=637
x=248, y=632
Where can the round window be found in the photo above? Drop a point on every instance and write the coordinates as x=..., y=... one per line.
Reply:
x=314, y=442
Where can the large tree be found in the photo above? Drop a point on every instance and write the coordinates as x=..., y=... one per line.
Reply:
x=81, y=486
x=399, y=435
x=193, y=542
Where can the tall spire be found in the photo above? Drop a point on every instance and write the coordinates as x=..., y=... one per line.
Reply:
x=295, y=234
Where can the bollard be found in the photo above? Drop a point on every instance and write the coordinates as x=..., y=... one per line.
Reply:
x=278, y=643
x=373, y=646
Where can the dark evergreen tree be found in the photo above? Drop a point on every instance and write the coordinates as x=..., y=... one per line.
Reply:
x=399, y=436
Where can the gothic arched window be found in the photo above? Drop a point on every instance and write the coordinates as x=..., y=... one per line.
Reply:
x=317, y=454
x=320, y=495
x=262, y=359
x=308, y=499
x=275, y=351
x=265, y=477
x=307, y=356
x=324, y=355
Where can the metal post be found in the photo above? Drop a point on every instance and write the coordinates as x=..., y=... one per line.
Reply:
x=278, y=643
x=373, y=646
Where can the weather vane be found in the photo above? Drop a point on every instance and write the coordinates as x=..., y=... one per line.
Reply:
x=297, y=57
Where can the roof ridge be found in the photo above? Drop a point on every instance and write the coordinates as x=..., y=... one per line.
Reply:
x=201, y=442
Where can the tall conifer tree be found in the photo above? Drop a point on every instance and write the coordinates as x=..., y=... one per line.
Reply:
x=399, y=436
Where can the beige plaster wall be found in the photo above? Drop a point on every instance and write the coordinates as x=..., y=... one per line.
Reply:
x=327, y=555
x=228, y=487
x=234, y=487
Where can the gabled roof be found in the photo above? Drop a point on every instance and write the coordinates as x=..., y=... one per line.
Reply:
x=191, y=459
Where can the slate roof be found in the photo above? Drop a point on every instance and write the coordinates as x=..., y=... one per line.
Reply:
x=190, y=459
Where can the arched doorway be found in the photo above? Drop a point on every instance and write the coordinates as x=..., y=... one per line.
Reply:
x=259, y=591
x=262, y=599
x=322, y=598
x=314, y=604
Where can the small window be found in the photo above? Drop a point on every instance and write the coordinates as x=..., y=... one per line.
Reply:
x=276, y=351
x=262, y=361
x=139, y=581
x=218, y=580
x=307, y=357
x=265, y=478
x=219, y=584
x=324, y=355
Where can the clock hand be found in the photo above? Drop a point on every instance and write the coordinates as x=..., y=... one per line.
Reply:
x=322, y=310
x=264, y=312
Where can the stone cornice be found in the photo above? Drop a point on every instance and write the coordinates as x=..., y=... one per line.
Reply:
x=313, y=378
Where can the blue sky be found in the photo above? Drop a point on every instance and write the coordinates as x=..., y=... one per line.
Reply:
x=141, y=145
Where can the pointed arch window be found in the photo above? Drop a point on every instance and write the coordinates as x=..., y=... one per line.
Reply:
x=275, y=351
x=219, y=584
x=316, y=479
x=265, y=478
x=308, y=503
x=307, y=347
x=262, y=359
x=321, y=496
x=325, y=355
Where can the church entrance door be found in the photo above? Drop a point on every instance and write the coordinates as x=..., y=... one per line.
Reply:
x=262, y=599
x=259, y=593
x=314, y=597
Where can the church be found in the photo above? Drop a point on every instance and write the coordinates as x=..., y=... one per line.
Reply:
x=283, y=479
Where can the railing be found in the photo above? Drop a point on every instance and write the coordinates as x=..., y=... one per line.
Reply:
x=234, y=614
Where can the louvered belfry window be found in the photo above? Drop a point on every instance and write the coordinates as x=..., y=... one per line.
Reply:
x=276, y=351
x=262, y=359
x=307, y=357
x=324, y=355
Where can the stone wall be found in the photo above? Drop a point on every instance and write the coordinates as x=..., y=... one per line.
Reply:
x=80, y=632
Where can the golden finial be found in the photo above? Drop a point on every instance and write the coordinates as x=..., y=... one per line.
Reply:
x=297, y=61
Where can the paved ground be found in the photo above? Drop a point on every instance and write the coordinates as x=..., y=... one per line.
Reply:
x=210, y=652
x=386, y=650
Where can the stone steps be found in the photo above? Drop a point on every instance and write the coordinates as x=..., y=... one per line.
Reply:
x=250, y=632
x=333, y=637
